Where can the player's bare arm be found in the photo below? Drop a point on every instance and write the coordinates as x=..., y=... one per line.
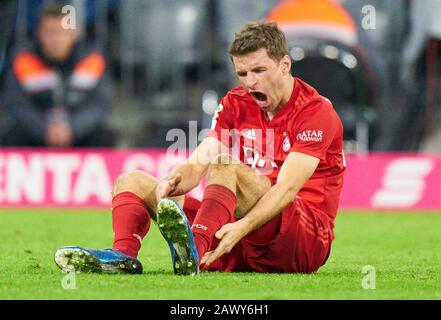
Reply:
x=296, y=170
x=186, y=176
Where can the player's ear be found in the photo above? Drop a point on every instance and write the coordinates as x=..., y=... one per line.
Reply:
x=286, y=64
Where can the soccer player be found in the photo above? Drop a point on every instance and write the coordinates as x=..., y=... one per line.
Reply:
x=271, y=209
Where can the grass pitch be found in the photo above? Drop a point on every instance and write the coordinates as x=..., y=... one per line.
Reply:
x=404, y=249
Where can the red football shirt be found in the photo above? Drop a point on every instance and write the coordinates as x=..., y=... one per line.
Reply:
x=307, y=123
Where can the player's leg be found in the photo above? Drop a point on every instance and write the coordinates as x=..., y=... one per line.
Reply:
x=302, y=245
x=133, y=205
x=232, y=190
x=307, y=232
x=312, y=234
x=141, y=185
x=177, y=233
x=246, y=183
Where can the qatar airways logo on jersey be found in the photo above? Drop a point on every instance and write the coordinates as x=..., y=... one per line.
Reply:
x=310, y=135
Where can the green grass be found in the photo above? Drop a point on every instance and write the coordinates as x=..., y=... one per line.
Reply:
x=404, y=248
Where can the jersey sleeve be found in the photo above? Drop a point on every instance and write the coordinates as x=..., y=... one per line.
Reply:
x=316, y=128
x=222, y=124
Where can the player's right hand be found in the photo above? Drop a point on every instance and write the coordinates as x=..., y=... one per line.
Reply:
x=168, y=187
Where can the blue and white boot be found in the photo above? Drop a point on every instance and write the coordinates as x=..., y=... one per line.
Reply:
x=77, y=259
x=176, y=229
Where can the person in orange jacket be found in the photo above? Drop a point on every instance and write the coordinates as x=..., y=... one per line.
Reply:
x=57, y=92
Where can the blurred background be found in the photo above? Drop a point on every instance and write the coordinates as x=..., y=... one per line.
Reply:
x=138, y=68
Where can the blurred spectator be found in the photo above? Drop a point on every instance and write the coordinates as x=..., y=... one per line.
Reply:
x=89, y=13
x=57, y=91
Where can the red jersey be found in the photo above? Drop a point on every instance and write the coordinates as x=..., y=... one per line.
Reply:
x=307, y=123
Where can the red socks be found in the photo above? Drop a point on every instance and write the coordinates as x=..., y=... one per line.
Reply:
x=217, y=209
x=131, y=221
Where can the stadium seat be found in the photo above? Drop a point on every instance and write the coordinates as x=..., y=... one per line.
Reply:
x=383, y=46
x=164, y=55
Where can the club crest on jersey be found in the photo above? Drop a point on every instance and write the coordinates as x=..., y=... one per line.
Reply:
x=286, y=144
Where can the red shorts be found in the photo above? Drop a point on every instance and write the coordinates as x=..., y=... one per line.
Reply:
x=298, y=240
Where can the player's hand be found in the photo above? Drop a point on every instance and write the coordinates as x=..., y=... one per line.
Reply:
x=230, y=234
x=168, y=187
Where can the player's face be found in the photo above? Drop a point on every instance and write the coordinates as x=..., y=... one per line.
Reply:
x=55, y=41
x=264, y=78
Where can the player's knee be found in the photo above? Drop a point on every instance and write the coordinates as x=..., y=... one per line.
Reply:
x=222, y=168
x=136, y=181
x=225, y=161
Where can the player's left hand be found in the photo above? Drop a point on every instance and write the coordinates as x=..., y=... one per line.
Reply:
x=230, y=234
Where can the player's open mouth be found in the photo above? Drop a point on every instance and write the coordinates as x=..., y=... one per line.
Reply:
x=260, y=98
